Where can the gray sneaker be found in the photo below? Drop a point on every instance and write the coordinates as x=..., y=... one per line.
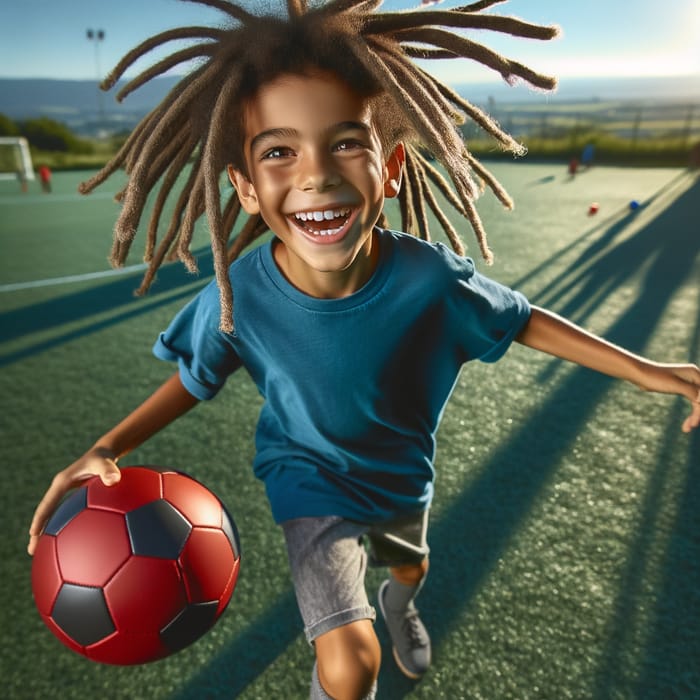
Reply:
x=411, y=643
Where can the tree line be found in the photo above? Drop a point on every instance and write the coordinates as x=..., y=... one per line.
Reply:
x=44, y=134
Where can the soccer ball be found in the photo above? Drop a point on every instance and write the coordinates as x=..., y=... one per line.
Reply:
x=134, y=572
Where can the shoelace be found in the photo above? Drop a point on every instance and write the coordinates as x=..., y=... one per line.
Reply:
x=413, y=632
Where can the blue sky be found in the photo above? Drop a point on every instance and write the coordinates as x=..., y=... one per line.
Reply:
x=47, y=38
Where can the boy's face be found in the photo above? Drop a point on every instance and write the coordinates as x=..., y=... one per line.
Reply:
x=318, y=177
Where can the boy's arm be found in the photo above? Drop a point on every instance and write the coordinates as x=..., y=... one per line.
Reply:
x=166, y=404
x=552, y=334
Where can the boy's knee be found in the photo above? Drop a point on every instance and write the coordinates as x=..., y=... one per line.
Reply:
x=348, y=660
x=410, y=574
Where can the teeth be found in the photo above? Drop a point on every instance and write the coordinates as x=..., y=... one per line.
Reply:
x=328, y=232
x=321, y=215
x=324, y=215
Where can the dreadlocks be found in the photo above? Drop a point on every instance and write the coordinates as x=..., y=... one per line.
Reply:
x=201, y=119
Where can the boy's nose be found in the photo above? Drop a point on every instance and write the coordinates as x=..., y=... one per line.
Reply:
x=317, y=174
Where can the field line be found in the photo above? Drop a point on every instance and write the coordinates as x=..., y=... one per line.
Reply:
x=39, y=198
x=71, y=278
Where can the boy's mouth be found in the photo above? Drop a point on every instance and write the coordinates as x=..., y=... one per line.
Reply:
x=323, y=224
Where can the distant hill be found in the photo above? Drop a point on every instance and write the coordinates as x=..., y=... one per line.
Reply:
x=640, y=89
x=87, y=110
x=79, y=103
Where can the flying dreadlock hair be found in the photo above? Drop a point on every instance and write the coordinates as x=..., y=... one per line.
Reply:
x=201, y=119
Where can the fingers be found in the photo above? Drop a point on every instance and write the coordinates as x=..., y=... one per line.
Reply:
x=688, y=379
x=693, y=420
x=93, y=464
x=43, y=512
x=110, y=475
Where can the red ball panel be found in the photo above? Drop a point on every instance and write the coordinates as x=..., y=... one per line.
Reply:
x=228, y=591
x=137, y=487
x=92, y=547
x=145, y=595
x=207, y=564
x=46, y=574
x=199, y=505
x=125, y=649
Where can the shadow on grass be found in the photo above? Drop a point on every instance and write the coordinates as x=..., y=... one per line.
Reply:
x=230, y=672
x=603, y=266
x=93, y=301
x=605, y=231
x=670, y=667
x=473, y=533
x=489, y=513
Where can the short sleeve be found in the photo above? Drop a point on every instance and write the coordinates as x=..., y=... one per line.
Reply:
x=487, y=314
x=204, y=354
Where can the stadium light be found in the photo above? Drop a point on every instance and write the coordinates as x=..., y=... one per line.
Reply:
x=97, y=35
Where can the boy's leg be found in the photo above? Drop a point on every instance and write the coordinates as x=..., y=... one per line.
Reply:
x=402, y=546
x=347, y=663
x=328, y=564
x=410, y=639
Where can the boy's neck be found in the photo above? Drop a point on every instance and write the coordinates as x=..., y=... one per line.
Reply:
x=328, y=285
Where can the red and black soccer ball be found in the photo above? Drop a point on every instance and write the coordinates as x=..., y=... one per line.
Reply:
x=134, y=572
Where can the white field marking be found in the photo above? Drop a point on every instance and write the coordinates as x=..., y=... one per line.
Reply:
x=71, y=278
x=39, y=198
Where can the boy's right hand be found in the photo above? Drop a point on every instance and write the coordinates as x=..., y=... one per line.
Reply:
x=97, y=461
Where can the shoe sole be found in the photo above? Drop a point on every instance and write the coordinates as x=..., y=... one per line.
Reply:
x=409, y=674
x=403, y=669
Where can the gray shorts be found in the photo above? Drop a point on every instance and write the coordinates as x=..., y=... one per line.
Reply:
x=328, y=559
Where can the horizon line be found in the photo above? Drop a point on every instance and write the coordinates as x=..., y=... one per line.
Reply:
x=472, y=81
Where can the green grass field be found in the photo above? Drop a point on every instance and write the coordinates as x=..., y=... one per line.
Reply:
x=565, y=531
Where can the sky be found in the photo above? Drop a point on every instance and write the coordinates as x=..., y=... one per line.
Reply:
x=48, y=38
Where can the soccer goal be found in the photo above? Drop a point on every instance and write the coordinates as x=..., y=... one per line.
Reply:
x=15, y=159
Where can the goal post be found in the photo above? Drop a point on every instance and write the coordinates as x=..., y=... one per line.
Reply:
x=15, y=159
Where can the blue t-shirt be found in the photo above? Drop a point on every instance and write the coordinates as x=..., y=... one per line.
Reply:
x=353, y=388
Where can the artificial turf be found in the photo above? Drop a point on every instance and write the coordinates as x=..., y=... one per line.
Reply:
x=565, y=531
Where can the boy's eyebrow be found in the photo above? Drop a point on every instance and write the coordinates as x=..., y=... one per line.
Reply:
x=279, y=133
x=349, y=125
x=283, y=132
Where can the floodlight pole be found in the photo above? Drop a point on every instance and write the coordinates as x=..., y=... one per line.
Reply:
x=98, y=35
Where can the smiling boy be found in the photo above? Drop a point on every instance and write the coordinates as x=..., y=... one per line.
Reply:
x=355, y=336
x=316, y=173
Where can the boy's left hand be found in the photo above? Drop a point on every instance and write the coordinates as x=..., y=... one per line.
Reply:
x=683, y=380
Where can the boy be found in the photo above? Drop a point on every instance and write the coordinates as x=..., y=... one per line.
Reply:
x=354, y=335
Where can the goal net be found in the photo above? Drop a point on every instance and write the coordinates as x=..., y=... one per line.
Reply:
x=15, y=159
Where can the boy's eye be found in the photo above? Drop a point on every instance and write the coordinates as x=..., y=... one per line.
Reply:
x=277, y=152
x=348, y=144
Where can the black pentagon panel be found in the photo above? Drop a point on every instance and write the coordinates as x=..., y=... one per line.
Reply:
x=81, y=612
x=190, y=624
x=229, y=527
x=66, y=511
x=157, y=530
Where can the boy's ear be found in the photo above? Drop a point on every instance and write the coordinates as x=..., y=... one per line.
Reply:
x=246, y=190
x=394, y=171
